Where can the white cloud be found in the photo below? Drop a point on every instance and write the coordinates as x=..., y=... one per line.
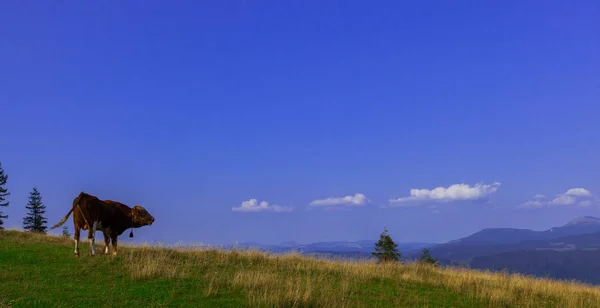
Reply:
x=585, y=203
x=531, y=204
x=357, y=200
x=579, y=196
x=253, y=205
x=563, y=200
x=455, y=192
x=579, y=192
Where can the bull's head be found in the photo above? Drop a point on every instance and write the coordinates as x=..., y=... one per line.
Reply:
x=141, y=217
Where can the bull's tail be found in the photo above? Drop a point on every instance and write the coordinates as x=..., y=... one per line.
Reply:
x=75, y=203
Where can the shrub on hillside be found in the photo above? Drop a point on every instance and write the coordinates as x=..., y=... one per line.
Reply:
x=426, y=258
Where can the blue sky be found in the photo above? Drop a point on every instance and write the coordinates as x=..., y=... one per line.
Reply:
x=193, y=109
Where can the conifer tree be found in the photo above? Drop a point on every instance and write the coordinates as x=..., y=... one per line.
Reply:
x=385, y=249
x=65, y=232
x=427, y=258
x=3, y=194
x=35, y=220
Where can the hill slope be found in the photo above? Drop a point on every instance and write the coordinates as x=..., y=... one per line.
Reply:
x=37, y=270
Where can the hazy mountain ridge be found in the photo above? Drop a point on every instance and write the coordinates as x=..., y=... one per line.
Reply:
x=467, y=252
x=570, y=251
x=498, y=240
x=580, y=225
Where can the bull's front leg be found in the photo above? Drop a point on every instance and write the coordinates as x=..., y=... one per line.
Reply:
x=114, y=244
x=106, y=242
x=92, y=237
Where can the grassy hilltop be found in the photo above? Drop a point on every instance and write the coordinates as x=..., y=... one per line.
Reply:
x=41, y=271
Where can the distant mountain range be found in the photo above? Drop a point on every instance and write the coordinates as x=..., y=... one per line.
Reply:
x=569, y=252
x=497, y=240
x=586, y=224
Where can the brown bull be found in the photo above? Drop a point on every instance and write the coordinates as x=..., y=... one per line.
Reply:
x=110, y=217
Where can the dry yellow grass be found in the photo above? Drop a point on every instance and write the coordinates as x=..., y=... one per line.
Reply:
x=293, y=280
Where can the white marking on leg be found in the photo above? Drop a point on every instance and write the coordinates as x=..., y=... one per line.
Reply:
x=76, y=247
x=106, y=249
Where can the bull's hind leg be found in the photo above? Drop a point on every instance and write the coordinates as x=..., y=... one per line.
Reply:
x=76, y=239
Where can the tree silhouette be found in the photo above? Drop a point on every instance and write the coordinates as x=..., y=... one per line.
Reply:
x=3, y=194
x=65, y=232
x=385, y=249
x=35, y=220
x=427, y=258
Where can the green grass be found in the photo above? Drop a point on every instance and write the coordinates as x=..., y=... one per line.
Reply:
x=41, y=271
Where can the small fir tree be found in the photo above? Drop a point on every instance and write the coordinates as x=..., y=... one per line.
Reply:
x=3, y=194
x=427, y=258
x=385, y=249
x=35, y=220
x=65, y=232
